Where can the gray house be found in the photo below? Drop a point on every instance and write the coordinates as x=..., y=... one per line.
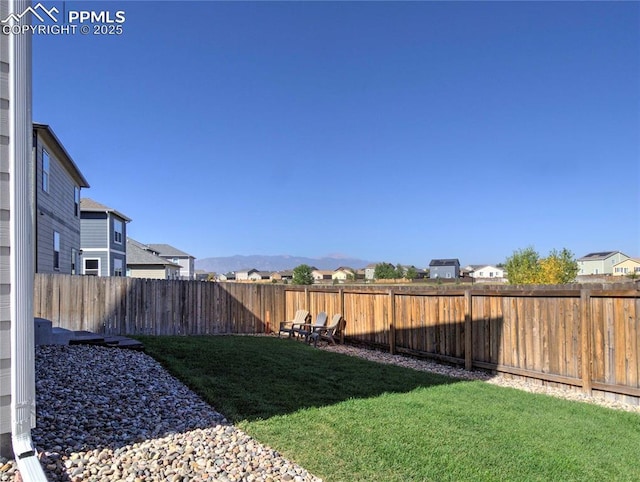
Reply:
x=186, y=261
x=57, y=187
x=444, y=268
x=103, y=239
x=144, y=262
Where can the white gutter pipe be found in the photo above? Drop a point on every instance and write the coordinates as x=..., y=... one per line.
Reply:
x=23, y=399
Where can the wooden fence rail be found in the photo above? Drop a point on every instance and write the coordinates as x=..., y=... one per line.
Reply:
x=584, y=336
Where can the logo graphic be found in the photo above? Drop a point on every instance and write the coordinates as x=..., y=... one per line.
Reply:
x=40, y=20
x=33, y=11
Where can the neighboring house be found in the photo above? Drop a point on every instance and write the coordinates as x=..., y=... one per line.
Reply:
x=58, y=182
x=285, y=275
x=484, y=272
x=103, y=237
x=369, y=271
x=444, y=268
x=600, y=263
x=202, y=275
x=231, y=276
x=144, y=262
x=186, y=261
x=259, y=275
x=343, y=274
x=627, y=267
x=243, y=274
x=321, y=275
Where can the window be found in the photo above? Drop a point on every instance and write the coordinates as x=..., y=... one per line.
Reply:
x=46, y=165
x=117, y=231
x=74, y=260
x=76, y=201
x=117, y=267
x=92, y=267
x=56, y=250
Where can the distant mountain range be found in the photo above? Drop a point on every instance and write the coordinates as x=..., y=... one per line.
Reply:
x=274, y=263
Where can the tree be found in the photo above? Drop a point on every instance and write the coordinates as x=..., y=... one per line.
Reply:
x=302, y=275
x=522, y=266
x=526, y=267
x=412, y=273
x=384, y=271
x=558, y=268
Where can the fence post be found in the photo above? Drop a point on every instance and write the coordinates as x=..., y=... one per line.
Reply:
x=307, y=297
x=344, y=321
x=586, y=324
x=468, y=327
x=392, y=322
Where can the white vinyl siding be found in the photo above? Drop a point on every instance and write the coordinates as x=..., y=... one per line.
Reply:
x=5, y=246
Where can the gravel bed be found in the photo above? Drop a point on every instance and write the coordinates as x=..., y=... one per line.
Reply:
x=504, y=381
x=109, y=414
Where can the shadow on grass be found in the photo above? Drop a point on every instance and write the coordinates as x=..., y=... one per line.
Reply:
x=251, y=378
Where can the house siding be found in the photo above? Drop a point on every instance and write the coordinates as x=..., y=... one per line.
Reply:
x=55, y=211
x=5, y=277
x=153, y=273
x=93, y=233
x=447, y=272
x=627, y=267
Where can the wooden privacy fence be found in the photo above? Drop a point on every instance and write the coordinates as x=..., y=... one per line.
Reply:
x=584, y=336
x=133, y=306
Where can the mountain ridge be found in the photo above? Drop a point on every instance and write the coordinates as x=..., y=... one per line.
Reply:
x=225, y=264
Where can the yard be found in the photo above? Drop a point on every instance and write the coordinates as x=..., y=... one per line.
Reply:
x=347, y=419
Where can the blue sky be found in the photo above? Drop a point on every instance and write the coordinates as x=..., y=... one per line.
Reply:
x=388, y=131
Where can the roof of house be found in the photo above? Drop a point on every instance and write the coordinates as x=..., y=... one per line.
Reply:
x=68, y=162
x=444, y=262
x=475, y=267
x=635, y=260
x=599, y=256
x=89, y=205
x=170, y=251
x=138, y=255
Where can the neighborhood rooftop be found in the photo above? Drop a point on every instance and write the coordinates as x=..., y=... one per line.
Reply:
x=168, y=250
x=73, y=169
x=138, y=255
x=89, y=205
x=599, y=255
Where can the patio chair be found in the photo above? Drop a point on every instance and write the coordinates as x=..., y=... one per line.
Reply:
x=301, y=317
x=307, y=328
x=328, y=332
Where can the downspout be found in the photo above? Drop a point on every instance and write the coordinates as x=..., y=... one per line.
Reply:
x=23, y=403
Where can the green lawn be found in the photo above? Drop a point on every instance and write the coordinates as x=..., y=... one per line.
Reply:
x=347, y=419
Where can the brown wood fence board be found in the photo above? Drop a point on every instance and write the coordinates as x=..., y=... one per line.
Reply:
x=532, y=332
x=632, y=348
x=620, y=341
